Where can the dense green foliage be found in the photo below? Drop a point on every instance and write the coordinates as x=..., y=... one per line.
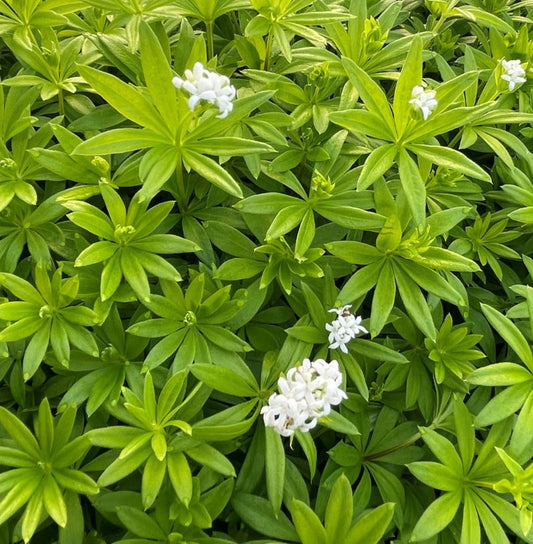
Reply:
x=163, y=263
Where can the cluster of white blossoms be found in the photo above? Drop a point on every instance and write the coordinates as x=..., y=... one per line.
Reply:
x=306, y=393
x=206, y=86
x=424, y=100
x=514, y=74
x=345, y=327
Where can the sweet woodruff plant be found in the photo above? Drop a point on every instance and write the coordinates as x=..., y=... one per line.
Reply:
x=266, y=271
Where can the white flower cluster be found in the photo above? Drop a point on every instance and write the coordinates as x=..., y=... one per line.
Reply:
x=514, y=73
x=424, y=100
x=207, y=86
x=306, y=393
x=344, y=328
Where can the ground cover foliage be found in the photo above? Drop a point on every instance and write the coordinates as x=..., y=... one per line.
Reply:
x=166, y=256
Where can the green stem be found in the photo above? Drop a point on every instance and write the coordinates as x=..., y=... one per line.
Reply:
x=268, y=51
x=181, y=190
x=382, y=453
x=61, y=103
x=439, y=23
x=456, y=138
x=210, y=27
x=409, y=442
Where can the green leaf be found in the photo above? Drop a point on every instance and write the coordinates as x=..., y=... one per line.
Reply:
x=119, y=140
x=96, y=253
x=349, y=217
x=19, y=433
x=35, y=350
x=362, y=122
x=126, y=99
x=134, y=274
x=76, y=481
x=32, y=515
x=180, y=476
x=411, y=75
x=372, y=95
x=376, y=164
x=370, y=528
x=471, y=530
x=152, y=479
x=437, y=516
x=499, y=374
x=212, y=458
x=19, y=494
x=239, y=269
x=224, y=338
x=383, y=301
x=337, y=422
x=156, y=168
x=90, y=218
x=414, y=302
x=377, y=351
x=523, y=429
x=483, y=17
x=339, y=511
x=413, y=186
x=450, y=158
x=54, y=501
x=360, y=283
x=124, y=466
x=158, y=76
x=228, y=146
x=258, y=513
x=274, y=467
x=309, y=448
x=504, y=404
x=307, y=524
x=285, y=221
x=44, y=427
x=139, y=523
x=465, y=431
x=431, y=281
x=113, y=436
x=442, y=449
x=22, y=289
x=435, y=475
x=223, y=379
x=212, y=172
x=510, y=333
x=494, y=530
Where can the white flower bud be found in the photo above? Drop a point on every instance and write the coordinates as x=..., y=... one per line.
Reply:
x=514, y=73
x=424, y=100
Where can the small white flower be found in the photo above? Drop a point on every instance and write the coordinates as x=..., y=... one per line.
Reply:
x=206, y=86
x=514, y=73
x=344, y=328
x=283, y=414
x=424, y=100
x=327, y=386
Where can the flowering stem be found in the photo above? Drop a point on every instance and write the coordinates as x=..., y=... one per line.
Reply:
x=209, y=26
